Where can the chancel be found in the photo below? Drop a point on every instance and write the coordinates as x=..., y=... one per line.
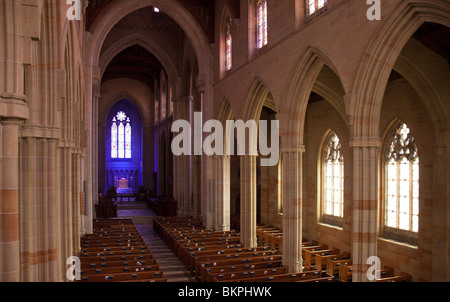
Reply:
x=350, y=104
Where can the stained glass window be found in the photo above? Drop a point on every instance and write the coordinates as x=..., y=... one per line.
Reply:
x=228, y=46
x=261, y=20
x=314, y=5
x=114, y=139
x=333, y=177
x=121, y=136
x=402, y=181
x=128, y=139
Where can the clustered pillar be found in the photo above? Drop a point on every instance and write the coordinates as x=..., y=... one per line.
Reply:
x=9, y=205
x=291, y=161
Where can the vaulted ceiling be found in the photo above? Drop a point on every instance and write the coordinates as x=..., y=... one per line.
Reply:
x=136, y=63
x=202, y=10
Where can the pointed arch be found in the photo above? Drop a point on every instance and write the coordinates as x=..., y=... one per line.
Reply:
x=119, y=9
x=381, y=55
x=297, y=94
x=258, y=97
x=148, y=44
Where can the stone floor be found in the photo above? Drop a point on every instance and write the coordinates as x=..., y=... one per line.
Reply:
x=142, y=217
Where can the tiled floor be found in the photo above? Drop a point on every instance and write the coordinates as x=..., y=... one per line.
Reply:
x=142, y=217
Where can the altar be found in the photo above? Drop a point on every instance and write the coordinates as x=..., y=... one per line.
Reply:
x=124, y=186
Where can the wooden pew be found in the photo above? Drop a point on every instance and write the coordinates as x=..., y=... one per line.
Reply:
x=403, y=277
x=188, y=250
x=195, y=268
x=249, y=274
x=345, y=273
x=202, y=272
x=334, y=264
x=321, y=260
x=118, y=277
x=304, y=276
x=222, y=253
x=311, y=253
x=137, y=252
x=118, y=269
x=116, y=252
x=128, y=263
x=217, y=270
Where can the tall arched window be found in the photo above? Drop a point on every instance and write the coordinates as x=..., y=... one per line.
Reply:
x=261, y=22
x=228, y=45
x=402, y=185
x=121, y=136
x=332, y=180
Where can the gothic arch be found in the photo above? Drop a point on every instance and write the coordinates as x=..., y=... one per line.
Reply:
x=256, y=100
x=119, y=9
x=132, y=99
x=427, y=92
x=381, y=56
x=303, y=81
x=151, y=46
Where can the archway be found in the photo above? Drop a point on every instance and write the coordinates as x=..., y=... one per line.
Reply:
x=123, y=148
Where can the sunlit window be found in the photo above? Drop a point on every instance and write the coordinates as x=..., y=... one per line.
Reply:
x=228, y=46
x=261, y=20
x=402, y=181
x=121, y=136
x=333, y=177
x=314, y=5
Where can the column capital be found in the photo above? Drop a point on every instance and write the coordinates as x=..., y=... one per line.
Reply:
x=292, y=149
x=365, y=142
x=12, y=121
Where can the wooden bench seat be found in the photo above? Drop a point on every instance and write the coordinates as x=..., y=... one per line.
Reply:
x=185, y=254
x=239, y=255
x=282, y=277
x=403, y=277
x=221, y=254
x=311, y=253
x=321, y=260
x=203, y=266
x=217, y=270
x=117, y=258
x=127, y=263
x=345, y=273
x=334, y=264
x=114, y=253
x=117, y=277
x=119, y=269
x=113, y=248
x=249, y=274
x=114, y=241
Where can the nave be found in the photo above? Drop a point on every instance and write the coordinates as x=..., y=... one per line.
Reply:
x=180, y=249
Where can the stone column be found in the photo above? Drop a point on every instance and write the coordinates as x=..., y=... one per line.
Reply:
x=248, y=200
x=222, y=193
x=291, y=162
x=183, y=110
x=9, y=202
x=365, y=198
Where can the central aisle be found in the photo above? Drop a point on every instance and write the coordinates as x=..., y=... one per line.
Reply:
x=142, y=217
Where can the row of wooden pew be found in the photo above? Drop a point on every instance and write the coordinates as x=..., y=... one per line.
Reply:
x=216, y=256
x=321, y=257
x=116, y=252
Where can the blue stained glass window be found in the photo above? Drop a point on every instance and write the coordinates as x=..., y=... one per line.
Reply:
x=121, y=136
